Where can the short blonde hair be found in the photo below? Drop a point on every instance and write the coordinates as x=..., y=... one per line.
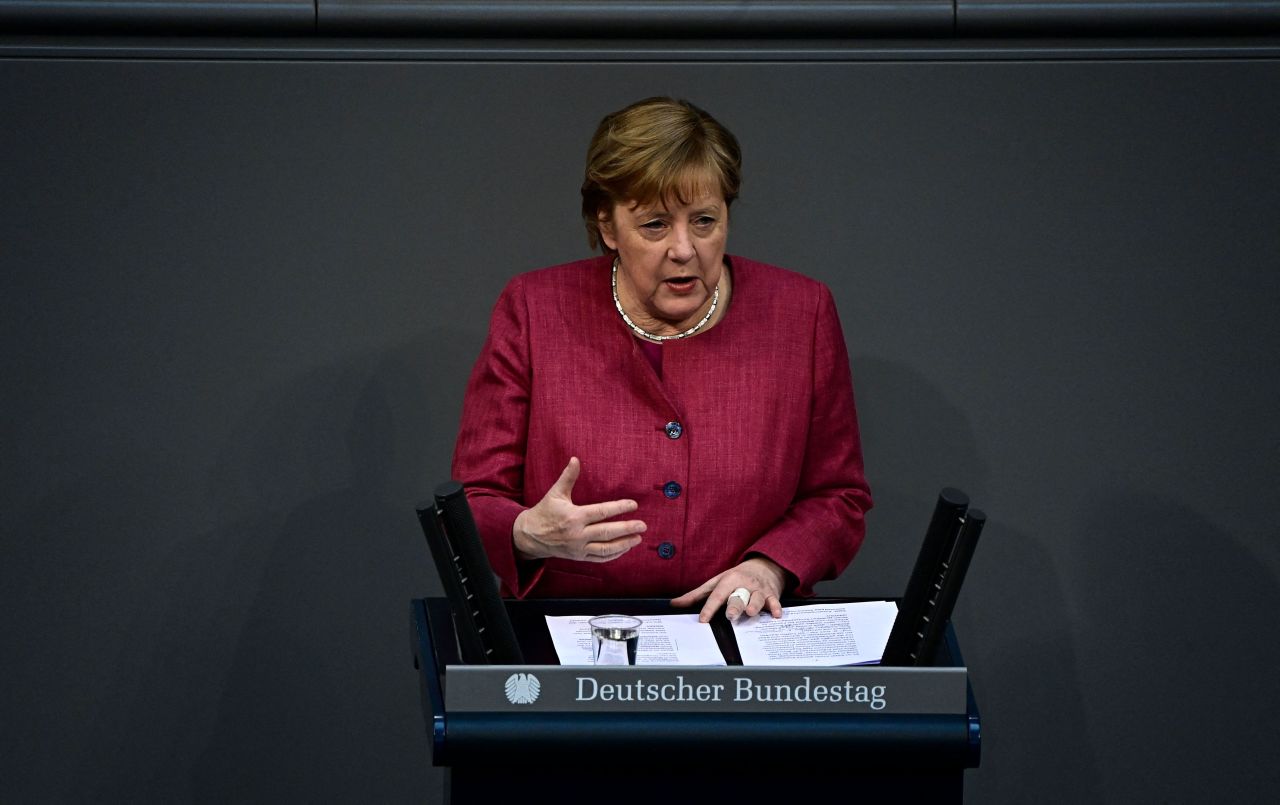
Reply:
x=654, y=150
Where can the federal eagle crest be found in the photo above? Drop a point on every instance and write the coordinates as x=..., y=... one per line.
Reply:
x=523, y=688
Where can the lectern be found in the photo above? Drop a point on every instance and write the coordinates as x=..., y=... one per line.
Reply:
x=673, y=734
x=508, y=722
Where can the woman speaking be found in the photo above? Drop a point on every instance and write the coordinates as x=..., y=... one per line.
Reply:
x=667, y=419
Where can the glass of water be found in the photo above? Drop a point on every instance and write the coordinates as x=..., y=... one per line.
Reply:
x=614, y=639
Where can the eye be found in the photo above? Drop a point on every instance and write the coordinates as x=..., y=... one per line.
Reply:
x=704, y=222
x=656, y=225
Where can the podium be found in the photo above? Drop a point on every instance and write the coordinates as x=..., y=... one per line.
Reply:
x=679, y=732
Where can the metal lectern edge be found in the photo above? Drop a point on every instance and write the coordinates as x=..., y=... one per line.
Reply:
x=974, y=718
x=431, y=688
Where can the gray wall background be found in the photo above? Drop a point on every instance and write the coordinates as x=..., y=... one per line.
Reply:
x=240, y=299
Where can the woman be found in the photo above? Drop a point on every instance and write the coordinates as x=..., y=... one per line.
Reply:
x=665, y=419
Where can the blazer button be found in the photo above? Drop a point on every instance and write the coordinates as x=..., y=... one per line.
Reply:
x=674, y=430
x=666, y=550
x=672, y=490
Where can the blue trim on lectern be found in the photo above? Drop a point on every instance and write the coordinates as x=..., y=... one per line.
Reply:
x=975, y=722
x=432, y=689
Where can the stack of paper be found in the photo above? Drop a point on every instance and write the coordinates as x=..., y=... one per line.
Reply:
x=819, y=634
x=812, y=635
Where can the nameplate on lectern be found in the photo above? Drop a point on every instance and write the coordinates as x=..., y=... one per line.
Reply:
x=682, y=689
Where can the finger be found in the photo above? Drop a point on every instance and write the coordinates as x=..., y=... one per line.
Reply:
x=601, y=532
x=755, y=604
x=568, y=477
x=610, y=550
x=708, y=612
x=696, y=594
x=775, y=606
x=595, y=512
x=733, y=608
x=715, y=600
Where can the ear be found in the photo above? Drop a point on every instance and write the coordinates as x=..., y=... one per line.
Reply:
x=606, y=231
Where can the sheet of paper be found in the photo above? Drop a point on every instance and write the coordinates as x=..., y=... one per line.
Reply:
x=664, y=640
x=817, y=634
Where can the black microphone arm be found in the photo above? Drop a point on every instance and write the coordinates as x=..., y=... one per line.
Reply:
x=485, y=634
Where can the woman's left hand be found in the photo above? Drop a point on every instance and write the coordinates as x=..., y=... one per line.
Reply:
x=761, y=577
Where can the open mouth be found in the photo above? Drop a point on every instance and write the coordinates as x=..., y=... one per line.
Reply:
x=681, y=284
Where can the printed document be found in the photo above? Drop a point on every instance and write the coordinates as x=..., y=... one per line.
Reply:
x=817, y=634
x=664, y=640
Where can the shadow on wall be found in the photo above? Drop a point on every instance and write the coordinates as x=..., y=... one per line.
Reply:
x=1019, y=638
x=1022, y=655
x=279, y=667
x=914, y=442
x=1182, y=665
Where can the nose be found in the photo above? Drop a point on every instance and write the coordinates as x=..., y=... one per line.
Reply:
x=681, y=250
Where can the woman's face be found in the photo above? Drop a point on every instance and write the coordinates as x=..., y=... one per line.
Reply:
x=670, y=258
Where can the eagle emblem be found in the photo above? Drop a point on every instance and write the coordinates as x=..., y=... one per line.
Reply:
x=523, y=688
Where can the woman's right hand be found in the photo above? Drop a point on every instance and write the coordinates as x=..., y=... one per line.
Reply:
x=556, y=527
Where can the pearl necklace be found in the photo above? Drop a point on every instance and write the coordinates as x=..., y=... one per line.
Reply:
x=715, y=300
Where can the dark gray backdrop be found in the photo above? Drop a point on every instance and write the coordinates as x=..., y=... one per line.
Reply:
x=240, y=299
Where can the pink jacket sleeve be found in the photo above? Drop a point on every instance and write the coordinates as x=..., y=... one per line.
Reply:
x=824, y=526
x=488, y=458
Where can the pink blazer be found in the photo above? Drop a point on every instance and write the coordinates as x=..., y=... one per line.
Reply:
x=747, y=444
